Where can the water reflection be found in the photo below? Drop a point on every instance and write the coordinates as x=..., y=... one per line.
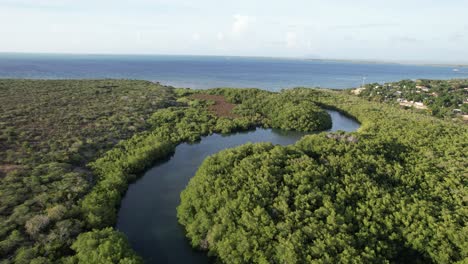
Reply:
x=148, y=211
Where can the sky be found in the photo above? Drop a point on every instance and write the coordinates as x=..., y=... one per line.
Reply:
x=433, y=31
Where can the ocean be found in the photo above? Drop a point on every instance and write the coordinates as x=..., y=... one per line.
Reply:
x=202, y=72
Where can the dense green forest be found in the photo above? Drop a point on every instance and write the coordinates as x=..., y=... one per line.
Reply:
x=393, y=192
x=440, y=98
x=70, y=149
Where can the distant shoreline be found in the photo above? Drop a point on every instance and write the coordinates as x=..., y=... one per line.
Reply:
x=202, y=72
x=360, y=61
x=455, y=65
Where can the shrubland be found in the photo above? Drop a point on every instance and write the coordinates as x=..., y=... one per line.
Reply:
x=392, y=192
x=49, y=131
x=71, y=147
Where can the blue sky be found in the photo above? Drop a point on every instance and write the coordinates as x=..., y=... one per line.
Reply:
x=397, y=30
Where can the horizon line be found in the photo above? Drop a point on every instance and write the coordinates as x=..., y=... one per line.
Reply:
x=355, y=60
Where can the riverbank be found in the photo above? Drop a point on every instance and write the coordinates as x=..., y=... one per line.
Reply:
x=58, y=156
x=147, y=215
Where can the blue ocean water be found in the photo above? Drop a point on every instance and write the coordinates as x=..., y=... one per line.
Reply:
x=209, y=71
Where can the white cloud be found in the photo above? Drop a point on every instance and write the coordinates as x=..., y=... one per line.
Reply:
x=139, y=35
x=36, y=3
x=196, y=36
x=241, y=23
x=241, y=27
x=291, y=39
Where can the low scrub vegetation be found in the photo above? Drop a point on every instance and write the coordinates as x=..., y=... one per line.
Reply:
x=74, y=146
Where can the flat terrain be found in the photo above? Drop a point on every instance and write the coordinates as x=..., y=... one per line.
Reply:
x=72, y=121
x=49, y=131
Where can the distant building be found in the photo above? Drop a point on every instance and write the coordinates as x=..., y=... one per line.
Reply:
x=417, y=105
x=357, y=91
x=422, y=88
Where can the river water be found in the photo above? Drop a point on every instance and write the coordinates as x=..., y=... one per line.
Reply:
x=148, y=211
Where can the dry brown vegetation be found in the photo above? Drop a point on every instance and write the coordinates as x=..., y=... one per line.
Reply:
x=221, y=107
x=6, y=168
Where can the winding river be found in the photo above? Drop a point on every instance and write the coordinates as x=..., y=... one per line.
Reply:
x=148, y=211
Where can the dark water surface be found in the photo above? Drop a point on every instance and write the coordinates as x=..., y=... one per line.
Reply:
x=148, y=211
x=208, y=72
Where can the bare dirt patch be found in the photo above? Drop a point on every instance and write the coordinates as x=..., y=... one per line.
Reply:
x=6, y=168
x=221, y=107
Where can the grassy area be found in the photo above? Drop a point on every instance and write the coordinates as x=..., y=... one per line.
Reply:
x=49, y=131
x=72, y=121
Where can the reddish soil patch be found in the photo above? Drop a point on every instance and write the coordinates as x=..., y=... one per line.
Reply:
x=221, y=107
x=6, y=168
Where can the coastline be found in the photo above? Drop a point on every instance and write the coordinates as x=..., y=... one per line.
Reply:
x=296, y=58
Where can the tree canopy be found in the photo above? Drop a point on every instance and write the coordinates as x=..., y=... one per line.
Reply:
x=393, y=192
x=69, y=149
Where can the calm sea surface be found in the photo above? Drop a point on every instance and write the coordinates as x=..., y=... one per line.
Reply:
x=209, y=72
